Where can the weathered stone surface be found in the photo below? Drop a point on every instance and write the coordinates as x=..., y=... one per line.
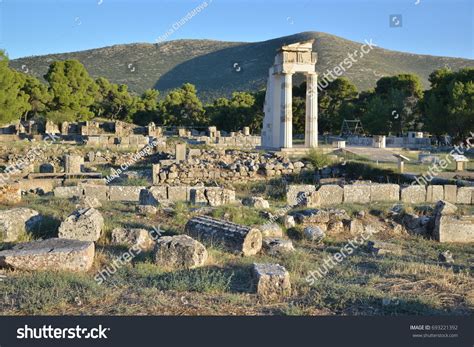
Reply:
x=235, y=238
x=314, y=233
x=434, y=193
x=464, y=195
x=357, y=193
x=84, y=202
x=133, y=237
x=449, y=227
x=450, y=193
x=67, y=192
x=415, y=224
x=217, y=196
x=272, y=281
x=294, y=193
x=384, y=192
x=275, y=246
x=99, y=192
x=256, y=202
x=331, y=194
x=178, y=193
x=288, y=221
x=153, y=195
x=271, y=230
x=125, y=193
x=180, y=251
x=51, y=254
x=16, y=222
x=313, y=216
x=335, y=227
x=413, y=194
x=354, y=226
x=146, y=210
x=383, y=248
x=10, y=194
x=83, y=224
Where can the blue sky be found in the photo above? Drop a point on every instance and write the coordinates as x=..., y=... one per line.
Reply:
x=35, y=27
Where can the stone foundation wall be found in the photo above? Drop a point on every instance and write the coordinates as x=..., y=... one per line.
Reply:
x=332, y=194
x=154, y=195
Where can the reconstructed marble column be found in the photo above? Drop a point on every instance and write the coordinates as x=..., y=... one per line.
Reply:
x=311, y=122
x=286, y=126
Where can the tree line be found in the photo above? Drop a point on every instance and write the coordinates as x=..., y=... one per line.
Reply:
x=397, y=103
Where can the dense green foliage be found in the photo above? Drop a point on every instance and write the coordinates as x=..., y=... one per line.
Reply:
x=397, y=104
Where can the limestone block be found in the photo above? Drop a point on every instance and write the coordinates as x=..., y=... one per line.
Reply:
x=180, y=252
x=413, y=194
x=233, y=237
x=450, y=227
x=178, y=193
x=271, y=230
x=16, y=222
x=384, y=192
x=153, y=195
x=314, y=233
x=275, y=246
x=10, y=194
x=256, y=202
x=51, y=255
x=100, y=192
x=133, y=237
x=434, y=193
x=83, y=224
x=464, y=195
x=67, y=192
x=272, y=281
x=357, y=193
x=294, y=193
x=450, y=193
x=125, y=193
x=330, y=194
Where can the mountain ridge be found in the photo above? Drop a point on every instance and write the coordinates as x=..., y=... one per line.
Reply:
x=218, y=68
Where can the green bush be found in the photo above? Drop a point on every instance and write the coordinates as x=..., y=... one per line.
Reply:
x=318, y=158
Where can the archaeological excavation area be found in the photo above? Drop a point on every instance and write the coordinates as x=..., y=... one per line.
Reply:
x=109, y=218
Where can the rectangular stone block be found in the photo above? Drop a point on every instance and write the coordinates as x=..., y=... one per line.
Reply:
x=330, y=194
x=464, y=195
x=434, y=193
x=180, y=152
x=451, y=228
x=125, y=193
x=95, y=191
x=357, y=193
x=178, y=193
x=51, y=255
x=295, y=190
x=67, y=192
x=384, y=192
x=414, y=194
x=450, y=193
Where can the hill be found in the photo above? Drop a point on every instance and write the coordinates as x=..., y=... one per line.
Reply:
x=218, y=68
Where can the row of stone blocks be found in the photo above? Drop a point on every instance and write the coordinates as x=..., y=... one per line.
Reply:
x=213, y=196
x=333, y=194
